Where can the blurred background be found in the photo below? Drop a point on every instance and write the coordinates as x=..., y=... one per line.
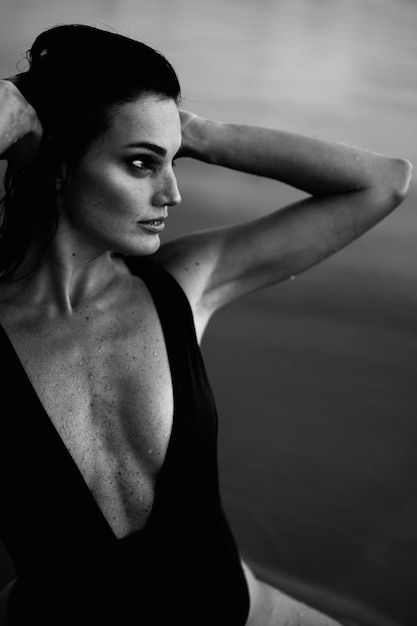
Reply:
x=316, y=377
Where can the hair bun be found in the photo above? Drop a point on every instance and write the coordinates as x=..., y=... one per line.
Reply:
x=77, y=71
x=57, y=45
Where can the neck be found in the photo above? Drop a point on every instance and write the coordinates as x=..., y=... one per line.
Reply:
x=66, y=276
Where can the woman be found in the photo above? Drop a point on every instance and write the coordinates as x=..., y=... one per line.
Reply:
x=111, y=506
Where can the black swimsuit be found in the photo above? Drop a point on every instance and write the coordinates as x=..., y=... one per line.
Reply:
x=183, y=567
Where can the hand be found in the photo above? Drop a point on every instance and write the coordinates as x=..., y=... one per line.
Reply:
x=20, y=129
x=188, y=125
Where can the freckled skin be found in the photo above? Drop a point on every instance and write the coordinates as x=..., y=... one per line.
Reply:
x=104, y=377
x=105, y=195
x=109, y=395
x=87, y=332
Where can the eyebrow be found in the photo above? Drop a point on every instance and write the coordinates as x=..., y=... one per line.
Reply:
x=149, y=146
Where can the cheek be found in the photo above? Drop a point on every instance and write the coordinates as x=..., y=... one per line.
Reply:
x=99, y=186
x=102, y=195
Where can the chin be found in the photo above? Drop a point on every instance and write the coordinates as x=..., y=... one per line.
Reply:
x=139, y=249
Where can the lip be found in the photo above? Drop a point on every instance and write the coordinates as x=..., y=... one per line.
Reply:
x=153, y=226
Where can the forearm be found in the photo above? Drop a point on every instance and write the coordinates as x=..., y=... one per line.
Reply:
x=20, y=130
x=311, y=164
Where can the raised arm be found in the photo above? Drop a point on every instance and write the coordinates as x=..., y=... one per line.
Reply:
x=311, y=164
x=20, y=129
x=350, y=190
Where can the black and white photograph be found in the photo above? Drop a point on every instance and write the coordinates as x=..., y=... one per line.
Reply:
x=208, y=313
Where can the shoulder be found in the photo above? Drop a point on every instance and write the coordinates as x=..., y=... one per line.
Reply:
x=191, y=260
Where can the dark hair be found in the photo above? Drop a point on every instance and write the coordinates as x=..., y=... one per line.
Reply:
x=77, y=77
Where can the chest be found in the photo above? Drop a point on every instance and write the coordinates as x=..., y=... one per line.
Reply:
x=104, y=381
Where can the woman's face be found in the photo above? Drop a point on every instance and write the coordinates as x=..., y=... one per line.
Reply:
x=117, y=196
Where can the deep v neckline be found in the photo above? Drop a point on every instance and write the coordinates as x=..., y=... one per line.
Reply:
x=70, y=462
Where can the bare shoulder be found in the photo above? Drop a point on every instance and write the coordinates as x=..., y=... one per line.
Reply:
x=192, y=260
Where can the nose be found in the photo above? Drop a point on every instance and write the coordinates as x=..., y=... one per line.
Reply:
x=168, y=194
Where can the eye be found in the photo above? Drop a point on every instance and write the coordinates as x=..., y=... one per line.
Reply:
x=142, y=164
x=145, y=165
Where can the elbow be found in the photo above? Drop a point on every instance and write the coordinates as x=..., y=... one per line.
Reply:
x=390, y=187
x=400, y=180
